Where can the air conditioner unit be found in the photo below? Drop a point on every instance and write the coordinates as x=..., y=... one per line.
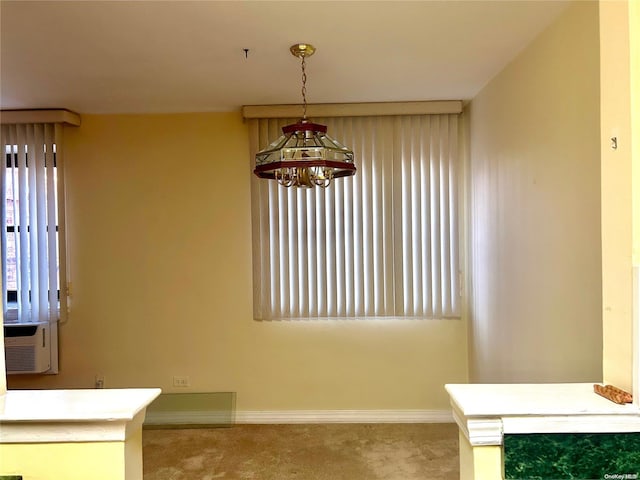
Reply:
x=27, y=348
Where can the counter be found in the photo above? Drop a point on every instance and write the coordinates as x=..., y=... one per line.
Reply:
x=486, y=412
x=73, y=434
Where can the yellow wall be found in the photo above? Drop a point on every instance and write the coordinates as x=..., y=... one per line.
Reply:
x=71, y=461
x=159, y=234
x=634, y=57
x=535, y=211
x=617, y=218
x=634, y=60
x=480, y=462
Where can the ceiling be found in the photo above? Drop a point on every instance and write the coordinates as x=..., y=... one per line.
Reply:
x=188, y=56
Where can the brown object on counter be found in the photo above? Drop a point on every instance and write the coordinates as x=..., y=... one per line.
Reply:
x=612, y=393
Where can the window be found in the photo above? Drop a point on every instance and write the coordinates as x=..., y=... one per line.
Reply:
x=31, y=246
x=383, y=243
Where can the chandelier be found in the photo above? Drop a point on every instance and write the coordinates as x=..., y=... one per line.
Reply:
x=304, y=156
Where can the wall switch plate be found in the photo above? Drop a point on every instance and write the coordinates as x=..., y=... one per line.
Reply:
x=181, y=381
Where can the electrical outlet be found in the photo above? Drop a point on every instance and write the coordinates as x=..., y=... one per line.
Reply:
x=99, y=381
x=181, y=381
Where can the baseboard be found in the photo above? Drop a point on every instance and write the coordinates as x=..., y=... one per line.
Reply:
x=156, y=418
x=195, y=409
x=344, y=416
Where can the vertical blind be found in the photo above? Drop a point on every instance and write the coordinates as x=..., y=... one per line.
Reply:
x=382, y=243
x=31, y=219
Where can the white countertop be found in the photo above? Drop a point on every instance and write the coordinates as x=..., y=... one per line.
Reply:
x=486, y=412
x=533, y=399
x=97, y=415
x=74, y=405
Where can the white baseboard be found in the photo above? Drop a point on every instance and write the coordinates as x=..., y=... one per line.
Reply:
x=188, y=418
x=298, y=416
x=344, y=416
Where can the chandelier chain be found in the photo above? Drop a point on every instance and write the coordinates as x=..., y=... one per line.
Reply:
x=304, y=88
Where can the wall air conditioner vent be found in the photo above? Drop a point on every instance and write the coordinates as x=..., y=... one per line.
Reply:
x=27, y=348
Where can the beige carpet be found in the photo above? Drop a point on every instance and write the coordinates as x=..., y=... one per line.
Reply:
x=303, y=452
